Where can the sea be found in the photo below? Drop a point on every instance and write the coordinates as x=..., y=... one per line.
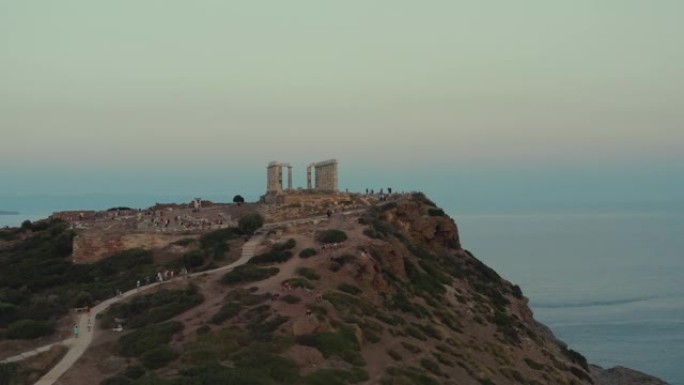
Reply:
x=609, y=284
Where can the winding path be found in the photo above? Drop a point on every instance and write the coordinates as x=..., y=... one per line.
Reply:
x=77, y=346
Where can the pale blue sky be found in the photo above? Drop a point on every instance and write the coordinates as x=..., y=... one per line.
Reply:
x=102, y=96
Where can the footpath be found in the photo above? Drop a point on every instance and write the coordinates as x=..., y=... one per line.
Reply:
x=77, y=346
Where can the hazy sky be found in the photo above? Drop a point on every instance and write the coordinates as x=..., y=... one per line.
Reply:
x=105, y=95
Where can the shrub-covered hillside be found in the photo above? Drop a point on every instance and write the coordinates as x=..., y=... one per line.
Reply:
x=39, y=283
x=384, y=297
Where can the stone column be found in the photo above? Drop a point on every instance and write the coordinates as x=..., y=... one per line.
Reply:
x=280, y=178
x=274, y=177
x=289, y=177
x=308, y=177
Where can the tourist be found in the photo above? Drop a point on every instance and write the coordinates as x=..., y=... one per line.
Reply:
x=75, y=327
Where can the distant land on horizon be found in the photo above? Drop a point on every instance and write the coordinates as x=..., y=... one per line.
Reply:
x=4, y=212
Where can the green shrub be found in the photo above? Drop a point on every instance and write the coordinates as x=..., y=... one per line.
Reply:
x=8, y=371
x=308, y=273
x=134, y=372
x=273, y=369
x=331, y=236
x=336, y=377
x=348, y=288
x=347, y=304
x=193, y=259
x=273, y=256
x=249, y=273
x=208, y=240
x=387, y=206
x=290, y=244
x=334, y=267
x=400, y=376
x=414, y=332
x=117, y=380
x=308, y=252
x=218, y=251
x=400, y=301
x=185, y=241
x=342, y=344
x=157, y=307
x=148, y=338
x=395, y=356
x=250, y=223
x=420, y=197
x=411, y=348
x=320, y=311
x=291, y=299
x=28, y=329
x=436, y=212
x=245, y=297
x=534, y=364
x=158, y=357
x=517, y=292
x=371, y=233
x=262, y=330
x=430, y=366
x=227, y=311
x=575, y=357
x=122, y=261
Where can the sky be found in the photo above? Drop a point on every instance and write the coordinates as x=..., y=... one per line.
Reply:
x=487, y=104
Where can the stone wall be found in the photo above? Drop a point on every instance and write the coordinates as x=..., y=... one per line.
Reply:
x=73, y=215
x=91, y=247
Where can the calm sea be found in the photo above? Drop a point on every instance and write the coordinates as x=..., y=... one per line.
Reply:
x=610, y=285
x=16, y=220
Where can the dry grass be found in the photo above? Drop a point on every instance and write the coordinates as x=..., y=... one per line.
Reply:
x=32, y=368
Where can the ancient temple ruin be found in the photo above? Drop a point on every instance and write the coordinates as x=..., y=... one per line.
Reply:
x=274, y=177
x=321, y=178
x=325, y=176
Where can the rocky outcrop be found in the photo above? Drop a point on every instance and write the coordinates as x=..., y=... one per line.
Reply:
x=623, y=376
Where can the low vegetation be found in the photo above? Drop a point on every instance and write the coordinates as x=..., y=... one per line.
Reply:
x=331, y=236
x=308, y=273
x=248, y=273
x=250, y=223
x=147, y=309
x=342, y=344
x=148, y=338
x=280, y=252
x=308, y=252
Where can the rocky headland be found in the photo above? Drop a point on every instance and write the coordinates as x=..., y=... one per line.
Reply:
x=376, y=292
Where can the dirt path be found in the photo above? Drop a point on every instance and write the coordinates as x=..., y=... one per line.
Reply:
x=78, y=345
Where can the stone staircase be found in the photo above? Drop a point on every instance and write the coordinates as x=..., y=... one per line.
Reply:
x=250, y=246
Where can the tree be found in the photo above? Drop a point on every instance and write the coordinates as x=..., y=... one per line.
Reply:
x=238, y=199
x=250, y=223
x=7, y=373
